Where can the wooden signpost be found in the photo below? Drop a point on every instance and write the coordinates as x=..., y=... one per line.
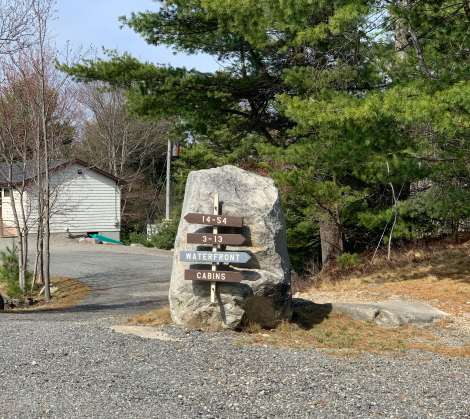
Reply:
x=214, y=239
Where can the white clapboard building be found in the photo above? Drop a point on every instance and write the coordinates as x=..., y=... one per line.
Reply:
x=84, y=199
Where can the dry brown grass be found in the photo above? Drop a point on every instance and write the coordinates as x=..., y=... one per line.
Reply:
x=438, y=276
x=196, y=323
x=153, y=318
x=162, y=316
x=70, y=292
x=419, y=260
x=317, y=327
x=448, y=263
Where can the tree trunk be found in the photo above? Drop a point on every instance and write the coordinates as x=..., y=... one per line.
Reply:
x=401, y=37
x=22, y=278
x=466, y=8
x=394, y=222
x=38, y=267
x=414, y=37
x=16, y=220
x=47, y=190
x=456, y=232
x=38, y=277
x=331, y=242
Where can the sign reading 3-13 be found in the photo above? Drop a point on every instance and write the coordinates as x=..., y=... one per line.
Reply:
x=208, y=238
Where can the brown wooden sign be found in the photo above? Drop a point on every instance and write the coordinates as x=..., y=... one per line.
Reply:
x=214, y=220
x=214, y=239
x=213, y=276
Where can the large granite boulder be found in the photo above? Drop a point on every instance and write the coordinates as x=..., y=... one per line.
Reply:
x=264, y=296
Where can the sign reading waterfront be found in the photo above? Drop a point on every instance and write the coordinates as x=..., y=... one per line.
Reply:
x=232, y=257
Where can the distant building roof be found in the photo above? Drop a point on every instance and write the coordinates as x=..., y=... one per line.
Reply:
x=28, y=171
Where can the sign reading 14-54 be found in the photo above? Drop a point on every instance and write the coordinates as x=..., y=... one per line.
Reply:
x=214, y=220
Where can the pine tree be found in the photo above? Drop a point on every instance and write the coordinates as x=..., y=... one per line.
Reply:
x=351, y=106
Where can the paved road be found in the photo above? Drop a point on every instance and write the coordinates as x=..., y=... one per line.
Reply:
x=122, y=278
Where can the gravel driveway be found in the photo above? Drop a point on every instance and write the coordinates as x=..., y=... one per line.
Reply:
x=69, y=364
x=51, y=367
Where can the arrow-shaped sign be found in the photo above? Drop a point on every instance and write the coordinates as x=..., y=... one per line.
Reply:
x=232, y=257
x=214, y=239
x=214, y=220
x=213, y=276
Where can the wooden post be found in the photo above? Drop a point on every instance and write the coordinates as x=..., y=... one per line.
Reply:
x=215, y=230
x=168, y=173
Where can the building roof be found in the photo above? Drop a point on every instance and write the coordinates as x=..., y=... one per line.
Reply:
x=27, y=172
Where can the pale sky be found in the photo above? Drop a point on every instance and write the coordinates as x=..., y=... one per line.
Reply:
x=95, y=22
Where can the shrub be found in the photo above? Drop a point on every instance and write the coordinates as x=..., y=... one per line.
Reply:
x=136, y=237
x=346, y=260
x=165, y=235
x=10, y=271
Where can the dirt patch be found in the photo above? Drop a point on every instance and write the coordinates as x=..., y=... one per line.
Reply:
x=320, y=327
x=433, y=272
x=144, y=332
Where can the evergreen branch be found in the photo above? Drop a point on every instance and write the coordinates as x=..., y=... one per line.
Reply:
x=431, y=159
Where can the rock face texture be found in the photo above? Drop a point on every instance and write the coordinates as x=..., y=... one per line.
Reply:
x=264, y=296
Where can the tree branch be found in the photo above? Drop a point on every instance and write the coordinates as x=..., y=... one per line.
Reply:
x=466, y=8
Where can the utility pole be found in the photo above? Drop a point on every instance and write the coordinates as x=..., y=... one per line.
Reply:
x=168, y=163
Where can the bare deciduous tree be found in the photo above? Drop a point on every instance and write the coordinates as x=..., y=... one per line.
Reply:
x=115, y=142
x=38, y=115
x=17, y=25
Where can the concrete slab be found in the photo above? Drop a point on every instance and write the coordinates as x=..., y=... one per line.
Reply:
x=144, y=332
x=357, y=311
x=385, y=314
x=392, y=313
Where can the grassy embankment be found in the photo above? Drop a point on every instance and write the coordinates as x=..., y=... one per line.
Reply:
x=435, y=273
x=70, y=292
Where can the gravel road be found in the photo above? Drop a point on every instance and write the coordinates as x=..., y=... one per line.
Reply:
x=69, y=364
x=80, y=369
